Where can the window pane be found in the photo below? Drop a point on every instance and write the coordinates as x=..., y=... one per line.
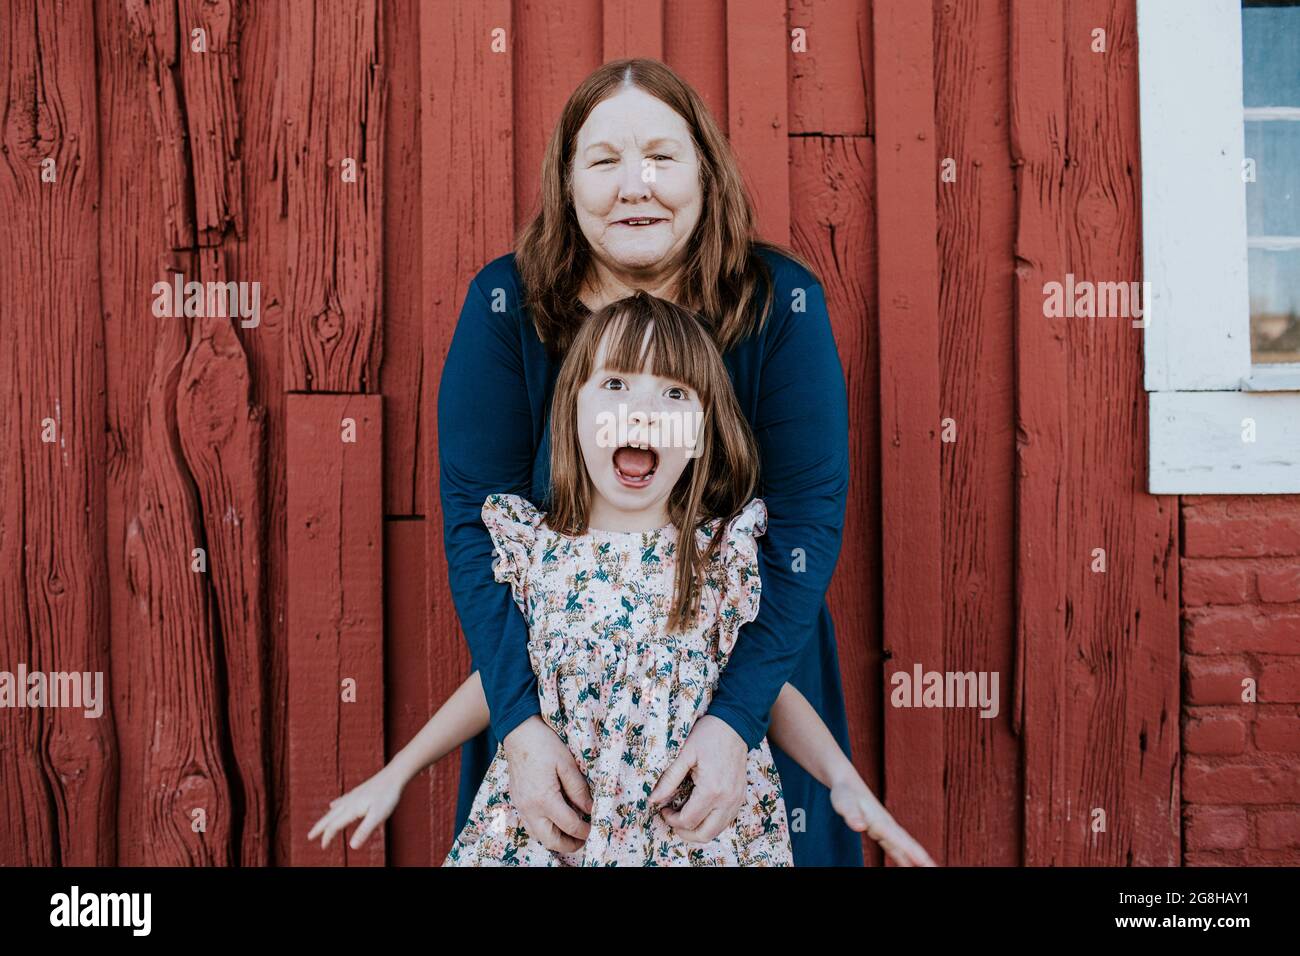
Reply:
x=1271, y=200
x=1270, y=36
x=1270, y=32
x=1275, y=305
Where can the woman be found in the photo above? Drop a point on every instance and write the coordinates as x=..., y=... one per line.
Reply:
x=640, y=190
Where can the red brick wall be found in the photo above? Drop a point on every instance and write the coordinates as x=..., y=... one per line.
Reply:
x=1241, y=619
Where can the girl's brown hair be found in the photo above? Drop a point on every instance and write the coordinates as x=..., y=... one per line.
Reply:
x=717, y=483
x=722, y=278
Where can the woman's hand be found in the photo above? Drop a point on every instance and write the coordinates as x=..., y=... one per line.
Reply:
x=716, y=757
x=854, y=801
x=542, y=775
x=374, y=800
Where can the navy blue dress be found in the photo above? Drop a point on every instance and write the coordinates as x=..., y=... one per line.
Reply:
x=494, y=437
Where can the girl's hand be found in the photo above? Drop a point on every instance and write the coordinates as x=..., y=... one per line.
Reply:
x=374, y=800
x=854, y=801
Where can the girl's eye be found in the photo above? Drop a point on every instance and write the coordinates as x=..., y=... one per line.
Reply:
x=600, y=161
x=678, y=392
x=661, y=157
x=617, y=382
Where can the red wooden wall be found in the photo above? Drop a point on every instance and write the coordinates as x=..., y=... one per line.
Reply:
x=325, y=571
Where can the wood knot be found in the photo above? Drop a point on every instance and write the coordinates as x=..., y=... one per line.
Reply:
x=327, y=325
x=33, y=129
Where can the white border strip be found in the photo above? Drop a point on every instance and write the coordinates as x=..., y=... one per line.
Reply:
x=1193, y=197
x=1198, y=443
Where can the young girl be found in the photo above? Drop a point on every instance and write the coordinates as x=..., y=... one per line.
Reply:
x=630, y=622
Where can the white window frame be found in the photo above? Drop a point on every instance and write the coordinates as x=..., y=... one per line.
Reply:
x=1198, y=371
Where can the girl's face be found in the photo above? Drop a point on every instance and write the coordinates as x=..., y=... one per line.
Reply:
x=636, y=182
x=637, y=432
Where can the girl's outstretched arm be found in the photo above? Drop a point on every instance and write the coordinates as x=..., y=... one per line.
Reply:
x=798, y=730
x=463, y=716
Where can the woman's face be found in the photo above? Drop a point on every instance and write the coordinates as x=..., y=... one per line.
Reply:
x=636, y=183
x=637, y=432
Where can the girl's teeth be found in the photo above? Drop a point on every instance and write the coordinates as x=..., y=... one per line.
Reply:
x=644, y=479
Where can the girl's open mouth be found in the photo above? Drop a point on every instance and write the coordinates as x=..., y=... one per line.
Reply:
x=635, y=467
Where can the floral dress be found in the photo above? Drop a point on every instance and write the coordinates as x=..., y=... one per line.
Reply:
x=622, y=693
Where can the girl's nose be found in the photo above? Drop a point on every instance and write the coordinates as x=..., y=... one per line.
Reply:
x=638, y=425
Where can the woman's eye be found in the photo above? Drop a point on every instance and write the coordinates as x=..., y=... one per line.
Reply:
x=661, y=157
x=602, y=161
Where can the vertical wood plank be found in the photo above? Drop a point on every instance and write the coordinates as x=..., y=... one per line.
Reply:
x=412, y=839
x=407, y=644
x=1123, y=644
x=832, y=183
x=219, y=429
x=336, y=613
x=181, y=791
x=1042, y=419
x=154, y=510
x=333, y=130
x=555, y=44
x=906, y=169
x=830, y=80
x=135, y=241
x=333, y=135
x=467, y=219
x=977, y=355
x=28, y=829
x=222, y=436
x=403, y=371
x=757, y=76
x=222, y=430
x=260, y=256
x=61, y=778
x=1098, y=652
x=695, y=46
x=633, y=28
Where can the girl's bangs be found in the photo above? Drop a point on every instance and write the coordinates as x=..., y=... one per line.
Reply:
x=677, y=345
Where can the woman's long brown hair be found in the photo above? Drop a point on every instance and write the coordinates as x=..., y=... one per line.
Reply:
x=717, y=483
x=722, y=278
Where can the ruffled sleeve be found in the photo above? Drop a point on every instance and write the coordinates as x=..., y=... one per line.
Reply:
x=512, y=522
x=741, y=586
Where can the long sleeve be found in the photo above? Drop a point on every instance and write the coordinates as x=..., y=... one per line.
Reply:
x=801, y=426
x=485, y=446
